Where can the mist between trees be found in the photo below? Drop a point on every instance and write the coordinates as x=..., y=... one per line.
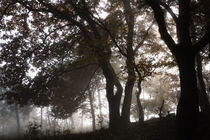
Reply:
x=76, y=65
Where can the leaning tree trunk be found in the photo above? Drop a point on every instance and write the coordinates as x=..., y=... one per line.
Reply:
x=203, y=97
x=187, y=109
x=138, y=94
x=113, y=96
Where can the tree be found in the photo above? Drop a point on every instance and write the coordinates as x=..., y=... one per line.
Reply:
x=185, y=52
x=92, y=40
x=66, y=26
x=163, y=90
x=60, y=37
x=196, y=33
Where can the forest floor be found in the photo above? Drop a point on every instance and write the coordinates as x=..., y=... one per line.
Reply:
x=154, y=129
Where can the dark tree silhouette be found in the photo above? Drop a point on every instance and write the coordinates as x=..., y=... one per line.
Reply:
x=185, y=52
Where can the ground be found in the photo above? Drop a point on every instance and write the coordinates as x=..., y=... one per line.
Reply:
x=154, y=129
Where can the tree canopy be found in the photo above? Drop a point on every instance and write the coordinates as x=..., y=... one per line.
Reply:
x=66, y=43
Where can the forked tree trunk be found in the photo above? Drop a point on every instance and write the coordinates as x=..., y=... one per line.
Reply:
x=113, y=96
x=188, y=108
x=129, y=18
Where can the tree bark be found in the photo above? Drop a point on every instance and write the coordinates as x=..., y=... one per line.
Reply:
x=184, y=52
x=125, y=116
x=187, y=109
x=113, y=97
x=129, y=16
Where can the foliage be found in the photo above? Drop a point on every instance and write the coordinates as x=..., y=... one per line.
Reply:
x=64, y=43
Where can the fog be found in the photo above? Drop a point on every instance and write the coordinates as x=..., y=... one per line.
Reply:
x=21, y=120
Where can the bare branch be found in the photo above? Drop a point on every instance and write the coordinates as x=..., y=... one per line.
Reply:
x=169, y=11
x=103, y=26
x=84, y=13
x=55, y=31
x=159, y=16
x=144, y=38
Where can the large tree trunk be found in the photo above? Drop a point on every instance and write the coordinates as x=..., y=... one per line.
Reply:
x=129, y=17
x=187, y=109
x=113, y=96
x=114, y=115
x=125, y=116
x=184, y=51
